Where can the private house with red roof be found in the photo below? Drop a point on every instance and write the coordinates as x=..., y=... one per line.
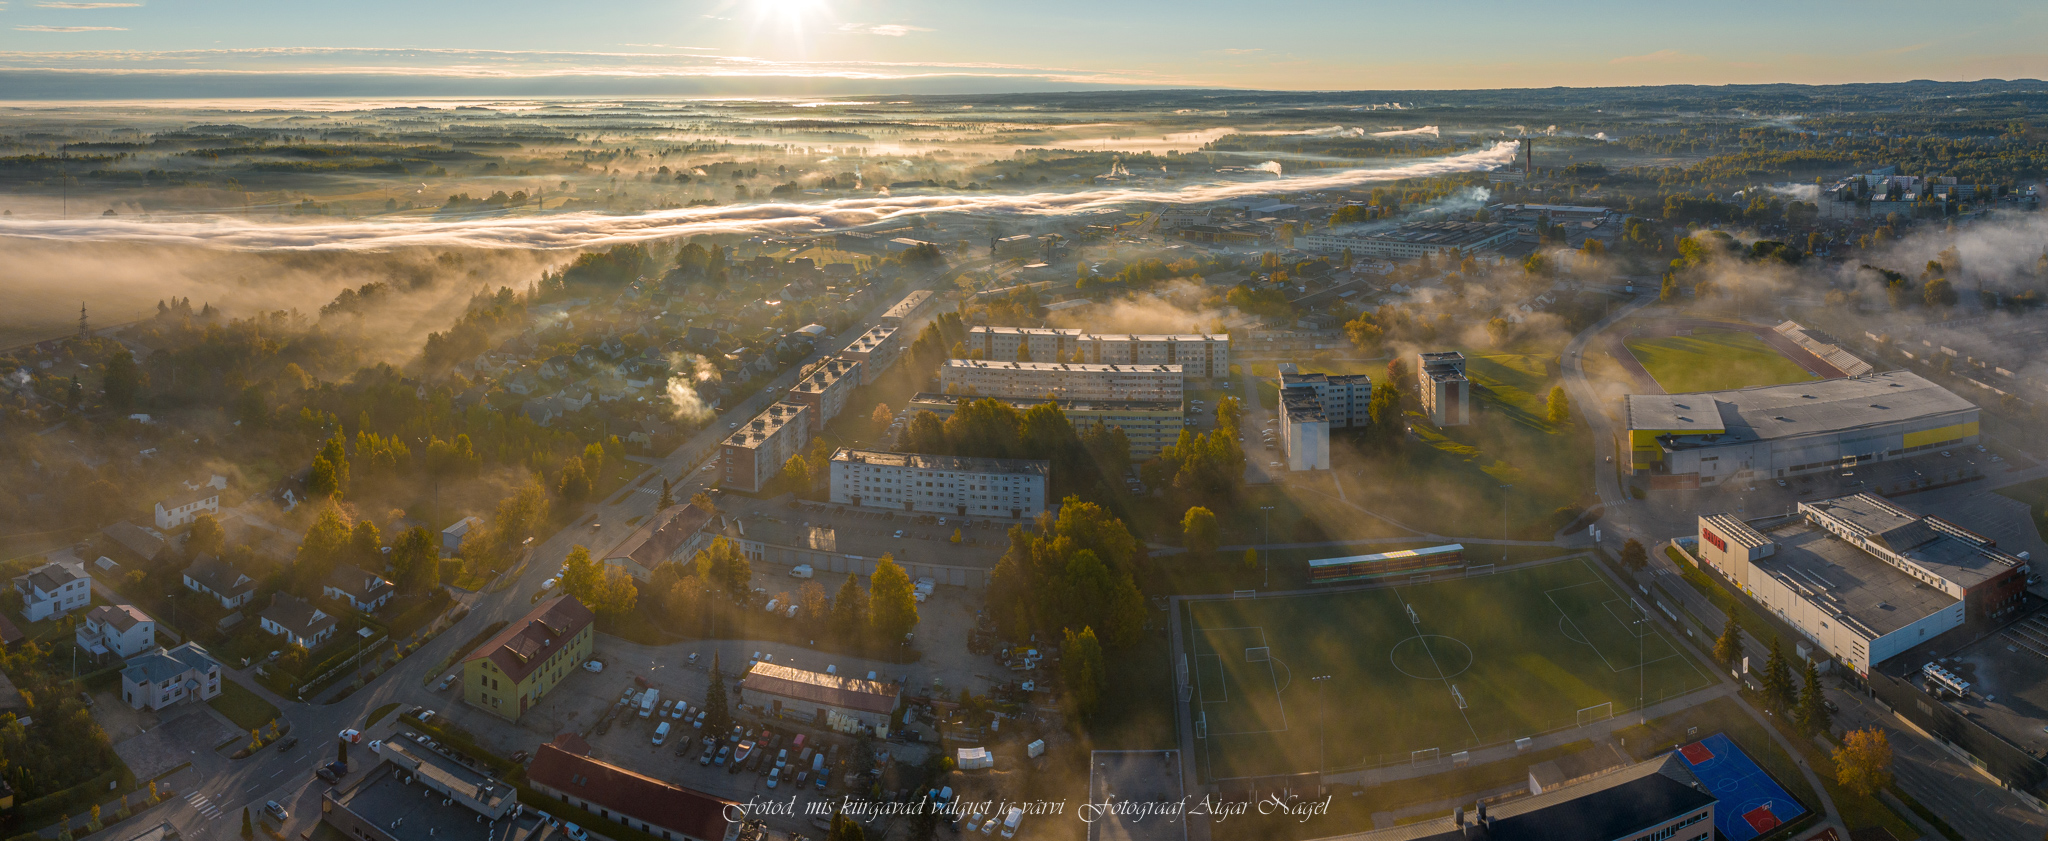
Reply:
x=664, y=810
x=512, y=670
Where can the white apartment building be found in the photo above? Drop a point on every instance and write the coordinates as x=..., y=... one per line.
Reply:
x=183, y=508
x=875, y=350
x=1199, y=355
x=52, y=590
x=969, y=487
x=1304, y=429
x=120, y=630
x=826, y=389
x=161, y=678
x=1446, y=394
x=1346, y=398
x=1061, y=380
x=910, y=307
x=752, y=455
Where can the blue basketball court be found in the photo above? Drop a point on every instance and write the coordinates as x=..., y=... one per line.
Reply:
x=1751, y=802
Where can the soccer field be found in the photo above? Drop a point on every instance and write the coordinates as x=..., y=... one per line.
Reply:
x=1715, y=360
x=1442, y=666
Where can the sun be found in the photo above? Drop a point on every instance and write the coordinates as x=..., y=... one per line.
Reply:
x=788, y=10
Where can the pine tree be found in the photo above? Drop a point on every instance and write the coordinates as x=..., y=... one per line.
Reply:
x=248, y=829
x=1728, y=648
x=1812, y=715
x=716, y=719
x=667, y=496
x=1778, y=679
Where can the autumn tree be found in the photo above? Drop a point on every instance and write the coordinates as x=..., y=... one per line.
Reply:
x=1558, y=409
x=416, y=561
x=727, y=569
x=892, y=609
x=1071, y=571
x=1728, y=647
x=614, y=595
x=325, y=543
x=205, y=537
x=1082, y=670
x=813, y=608
x=1863, y=764
x=881, y=417
x=1199, y=532
x=581, y=576
x=574, y=482
x=1633, y=555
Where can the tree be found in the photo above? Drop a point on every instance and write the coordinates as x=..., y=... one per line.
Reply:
x=1199, y=532
x=667, y=496
x=581, y=576
x=812, y=606
x=1558, y=409
x=845, y=829
x=1633, y=555
x=1812, y=715
x=248, y=829
x=1939, y=292
x=798, y=471
x=205, y=537
x=850, y=611
x=416, y=561
x=1667, y=290
x=1863, y=764
x=325, y=542
x=1385, y=411
x=1082, y=670
x=716, y=719
x=1500, y=331
x=1778, y=690
x=727, y=569
x=1365, y=335
x=122, y=381
x=881, y=417
x=574, y=483
x=614, y=595
x=1728, y=647
x=892, y=609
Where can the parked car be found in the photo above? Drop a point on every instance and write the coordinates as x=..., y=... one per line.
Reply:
x=575, y=832
x=329, y=774
x=287, y=745
x=593, y=666
x=661, y=733
x=276, y=811
x=446, y=682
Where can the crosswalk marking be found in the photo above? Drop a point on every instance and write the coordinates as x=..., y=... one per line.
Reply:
x=206, y=807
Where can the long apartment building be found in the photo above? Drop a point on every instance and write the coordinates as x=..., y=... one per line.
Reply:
x=910, y=307
x=825, y=391
x=752, y=454
x=1863, y=576
x=1061, y=380
x=1199, y=355
x=971, y=487
x=1345, y=398
x=1150, y=425
x=875, y=350
x=1412, y=241
x=1446, y=394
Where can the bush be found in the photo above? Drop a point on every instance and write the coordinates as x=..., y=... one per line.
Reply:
x=75, y=800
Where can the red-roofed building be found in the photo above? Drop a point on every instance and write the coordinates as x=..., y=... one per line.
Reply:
x=843, y=703
x=509, y=673
x=664, y=810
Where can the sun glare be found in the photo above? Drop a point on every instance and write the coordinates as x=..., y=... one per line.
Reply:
x=791, y=10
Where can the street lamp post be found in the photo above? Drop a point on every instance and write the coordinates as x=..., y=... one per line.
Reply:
x=1504, y=524
x=1266, y=537
x=1320, y=763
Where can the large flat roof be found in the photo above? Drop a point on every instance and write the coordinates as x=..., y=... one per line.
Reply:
x=962, y=464
x=1085, y=367
x=1827, y=570
x=1807, y=408
x=852, y=693
x=926, y=399
x=1952, y=552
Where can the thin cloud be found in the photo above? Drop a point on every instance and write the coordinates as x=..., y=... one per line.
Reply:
x=71, y=29
x=891, y=30
x=1242, y=50
x=1658, y=57
x=87, y=5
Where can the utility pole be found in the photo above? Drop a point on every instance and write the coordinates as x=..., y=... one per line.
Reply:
x=1266, y=537
x=1319, y=729
x=1642, y=714
x=1504, y=524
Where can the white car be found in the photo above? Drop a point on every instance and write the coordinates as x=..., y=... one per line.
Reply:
x=593, y=666
x=550, y=583
x=376, y=745
x=352, y=736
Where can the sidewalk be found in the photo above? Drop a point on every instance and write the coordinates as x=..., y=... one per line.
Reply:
x=171, y=788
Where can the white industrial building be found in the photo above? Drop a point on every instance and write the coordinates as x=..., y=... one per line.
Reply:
x=1199, y=355
x=1773, y=432
x=1061, y=380
x=973, y=487
x=1864, y=577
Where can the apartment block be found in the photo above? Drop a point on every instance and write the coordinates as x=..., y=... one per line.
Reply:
x=826, y=389
x=1061, y=380
x=1150, y=425
x=1446, y=394
x=875, y=350
x=752, y=455
x=970, y=487
x=1199, y=355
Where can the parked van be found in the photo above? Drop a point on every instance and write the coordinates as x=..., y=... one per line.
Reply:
x=801, y=571
x=648, y=701
x=1011, y=821
x=661, y=733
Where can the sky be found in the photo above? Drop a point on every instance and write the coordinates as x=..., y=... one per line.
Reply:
x=57, y=49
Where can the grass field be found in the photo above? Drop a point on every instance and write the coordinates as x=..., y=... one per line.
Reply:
x=1715, y=360
x=245, y=708
x=1489, y=659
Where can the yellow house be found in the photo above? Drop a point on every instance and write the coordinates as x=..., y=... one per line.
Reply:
x=509, y=673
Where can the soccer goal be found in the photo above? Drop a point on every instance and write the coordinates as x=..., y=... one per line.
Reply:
x=1201, y=725
x=1412, y=618
x=1458, y=696
x=1597, y=712
x=1258, y=654
x=1426, y=756
x=1244, y=594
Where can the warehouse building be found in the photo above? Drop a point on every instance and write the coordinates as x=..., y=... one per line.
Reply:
x=843, y=703
x=752, y=455
x=1864, y=577
x=1773, y=432
x=1446, y=394
x=1149, y=425
x=826, y=389
x=973, y=487
x=1061, y=380
x=1200, y=355
x=1412, y=241
x=875, y=350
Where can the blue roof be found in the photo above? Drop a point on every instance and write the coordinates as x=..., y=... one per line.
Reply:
x=161, y=665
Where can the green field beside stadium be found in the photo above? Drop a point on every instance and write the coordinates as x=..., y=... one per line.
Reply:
x=1715, y=360
x=1524, y=650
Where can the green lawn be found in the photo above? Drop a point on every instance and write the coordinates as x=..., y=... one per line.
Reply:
x=378, y=714
x=245, y=708
x=1715, y=360
x=2035, y=495
x=1526, y=650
